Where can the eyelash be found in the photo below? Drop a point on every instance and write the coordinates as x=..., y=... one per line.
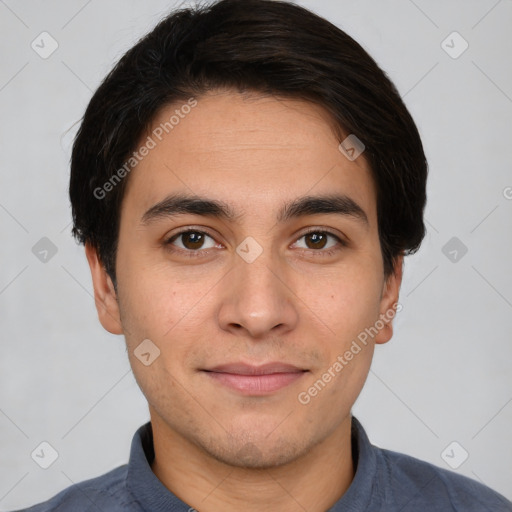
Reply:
x=204, y=252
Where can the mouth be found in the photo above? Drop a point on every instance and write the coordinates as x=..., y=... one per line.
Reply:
x=255, y=380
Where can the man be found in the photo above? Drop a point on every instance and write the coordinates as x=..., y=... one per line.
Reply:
x=246, y=182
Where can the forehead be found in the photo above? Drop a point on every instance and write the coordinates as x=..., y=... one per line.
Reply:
x=252, y=151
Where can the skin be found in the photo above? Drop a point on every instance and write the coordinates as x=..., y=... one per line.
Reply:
x=215, y=448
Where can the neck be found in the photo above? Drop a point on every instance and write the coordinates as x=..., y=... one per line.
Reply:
x=313, y=482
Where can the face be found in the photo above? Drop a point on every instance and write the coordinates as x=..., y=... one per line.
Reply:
x=279, y=265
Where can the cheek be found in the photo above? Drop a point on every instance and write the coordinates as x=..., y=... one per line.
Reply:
x=172, y=313
x=344, y=301
x=155, y=301
x=333, y=389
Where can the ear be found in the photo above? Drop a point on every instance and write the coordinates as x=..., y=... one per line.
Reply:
x=105, y=296
x=389, y=301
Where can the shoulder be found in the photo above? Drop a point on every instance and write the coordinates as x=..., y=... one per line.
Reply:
x=106, y=492
x=414, y=483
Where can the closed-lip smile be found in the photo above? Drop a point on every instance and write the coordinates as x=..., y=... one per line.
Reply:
x=255, y=379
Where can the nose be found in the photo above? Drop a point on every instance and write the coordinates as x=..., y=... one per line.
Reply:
x=258, y=299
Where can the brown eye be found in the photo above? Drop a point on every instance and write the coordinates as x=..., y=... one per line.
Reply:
x=321, y=242
x=192, y=240
x=316, y=240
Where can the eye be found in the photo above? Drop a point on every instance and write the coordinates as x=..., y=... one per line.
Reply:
x=194, y=242
x=317, y=240
x=191, y=240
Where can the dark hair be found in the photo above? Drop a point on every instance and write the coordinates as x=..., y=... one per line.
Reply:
x=263, y=46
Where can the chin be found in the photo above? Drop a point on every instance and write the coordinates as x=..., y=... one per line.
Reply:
x=257, y=454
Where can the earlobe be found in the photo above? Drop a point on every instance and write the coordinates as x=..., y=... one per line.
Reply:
x=105, y=296
x=389, y=305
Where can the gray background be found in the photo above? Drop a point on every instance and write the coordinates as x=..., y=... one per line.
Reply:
x=446, y=374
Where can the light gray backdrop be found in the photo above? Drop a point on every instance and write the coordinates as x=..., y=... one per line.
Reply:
x=441, y=390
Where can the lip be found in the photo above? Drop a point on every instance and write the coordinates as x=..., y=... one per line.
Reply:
x=255, y=380
x=250, y=369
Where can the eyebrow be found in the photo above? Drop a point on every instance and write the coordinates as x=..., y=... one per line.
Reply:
x=181, y=204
